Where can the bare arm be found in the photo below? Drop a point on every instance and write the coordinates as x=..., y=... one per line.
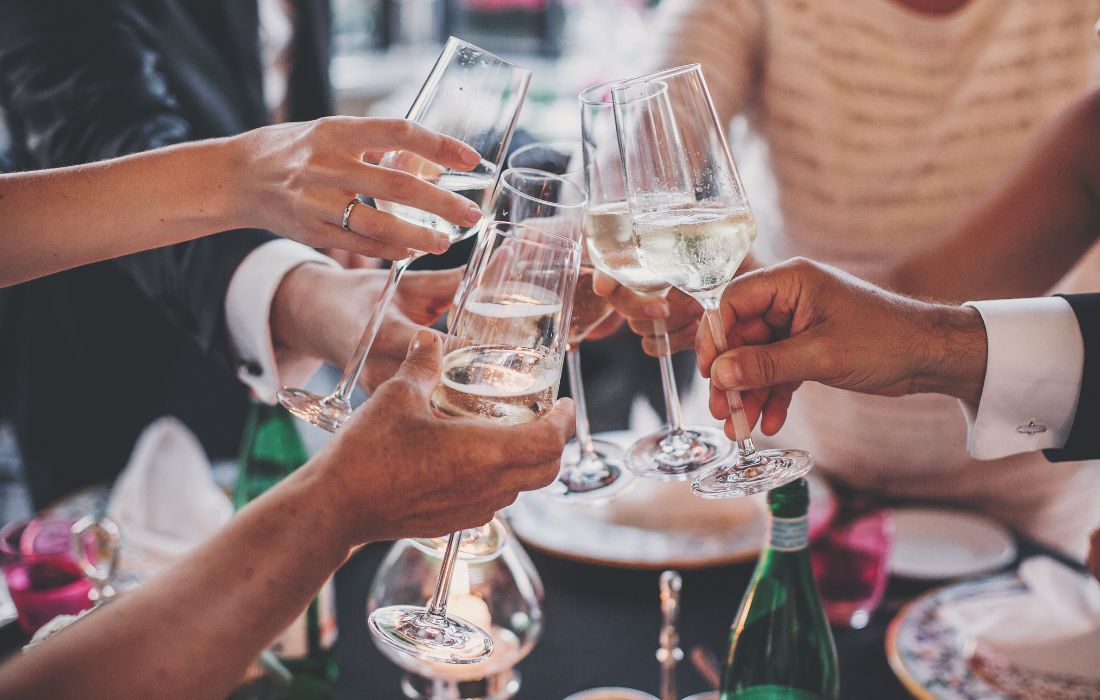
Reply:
x=294, y=179
x=191, y=631
x=1029, y=229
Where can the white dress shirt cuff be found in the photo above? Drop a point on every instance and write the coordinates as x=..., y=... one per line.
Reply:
x=1032, y=377
x=248, y=313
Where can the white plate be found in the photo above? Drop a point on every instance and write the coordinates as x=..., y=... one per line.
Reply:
x=934, y=544
x=655, y=524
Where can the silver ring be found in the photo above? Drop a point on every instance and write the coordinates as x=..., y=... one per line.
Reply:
x=347, y=214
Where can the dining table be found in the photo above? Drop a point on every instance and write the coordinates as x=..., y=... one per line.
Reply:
x=601, y=626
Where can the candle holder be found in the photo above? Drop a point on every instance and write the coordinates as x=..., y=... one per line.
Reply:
x=501, y=594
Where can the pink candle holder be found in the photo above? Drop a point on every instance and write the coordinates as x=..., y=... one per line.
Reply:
x=42, y=576
x=851, y=562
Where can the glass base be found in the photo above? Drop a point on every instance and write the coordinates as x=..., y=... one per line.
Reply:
x=763, y=471
x=326, y=412
x=600, y=480
x=663, y=456
x=441, y=638
x=477, y=544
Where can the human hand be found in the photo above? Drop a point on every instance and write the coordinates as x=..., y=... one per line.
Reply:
x=803, y=321
x=679, y=313
x=296, y=179
x=321, y=312
x=397, y=469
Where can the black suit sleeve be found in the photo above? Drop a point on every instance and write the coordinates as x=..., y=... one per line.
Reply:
x=1084, y=437
x=83, y=81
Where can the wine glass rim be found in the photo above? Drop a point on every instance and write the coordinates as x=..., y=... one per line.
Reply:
x=455, y=41
x=598, y=88
x=506, y=230
x=536, y=174
x=619, y=96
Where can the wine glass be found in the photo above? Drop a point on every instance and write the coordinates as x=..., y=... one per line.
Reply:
x=590, y=468
x=562, y=157
x=693, y=228
x=474, y=97
x=502, y=362
x=678, y=451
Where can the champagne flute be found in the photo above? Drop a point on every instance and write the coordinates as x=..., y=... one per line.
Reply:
x=678, y=451
x=475, y=97
x=693, y=228
x=502, y=362
x=590, y=468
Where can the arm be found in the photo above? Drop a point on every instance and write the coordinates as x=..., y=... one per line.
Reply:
x=1031, y=227
x=294, y=179
x=1016, y=365
x=179, y=636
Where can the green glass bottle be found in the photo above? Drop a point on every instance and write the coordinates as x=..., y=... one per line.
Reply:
x=271, y=450
x=781, y=647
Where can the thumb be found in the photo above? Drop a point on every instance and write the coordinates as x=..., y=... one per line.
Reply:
x=762, y=366
x=422, y=363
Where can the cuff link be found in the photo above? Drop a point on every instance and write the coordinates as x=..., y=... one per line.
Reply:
x=1032, y=428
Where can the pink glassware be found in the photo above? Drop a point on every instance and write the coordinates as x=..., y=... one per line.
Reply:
x=851, y=563
x=42, y=576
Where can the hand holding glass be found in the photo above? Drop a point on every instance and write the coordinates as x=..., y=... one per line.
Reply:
x=475, y=97
x=502, y=362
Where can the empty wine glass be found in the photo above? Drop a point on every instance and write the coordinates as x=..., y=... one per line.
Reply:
x=678, y=451
x=502, y=362
x=562, y=157
x=693, y=228
x=590, y=468
x=474, y=97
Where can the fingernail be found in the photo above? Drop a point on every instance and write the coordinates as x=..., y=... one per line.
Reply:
x=442, y=243
x=656, y=309
x=723, y=373
x=470, y=157
x=420, y=339
x=473, y=213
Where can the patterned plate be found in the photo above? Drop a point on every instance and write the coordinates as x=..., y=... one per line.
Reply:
x=927, y=655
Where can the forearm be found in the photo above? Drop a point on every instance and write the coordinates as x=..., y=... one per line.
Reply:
x=58, y=219
x=191, y=631
x=1030, y=228
x=954, y=359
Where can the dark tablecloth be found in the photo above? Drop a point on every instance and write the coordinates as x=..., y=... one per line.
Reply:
x=601, y=628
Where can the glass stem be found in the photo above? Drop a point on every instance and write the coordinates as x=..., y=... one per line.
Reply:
x=737, y=407
x=438, y=604
x=584, y=431
x=343, y=390
x=673, y=414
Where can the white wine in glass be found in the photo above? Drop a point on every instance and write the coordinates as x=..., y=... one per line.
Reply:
x=680, y=450
x=487, y=379
x=693, y=228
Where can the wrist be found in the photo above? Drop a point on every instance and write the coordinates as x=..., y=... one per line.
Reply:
x=954, y=357
x=316, y=311
x=238, y=198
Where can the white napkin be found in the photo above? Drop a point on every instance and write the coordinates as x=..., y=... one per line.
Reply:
x=165, y=501
x=1053, y=627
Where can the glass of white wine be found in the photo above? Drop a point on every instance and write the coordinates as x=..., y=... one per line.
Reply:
x=476, y=98
x=679, y=451
x=562, y=157
x=692, y=229
x=502, y=362
x=591, y=468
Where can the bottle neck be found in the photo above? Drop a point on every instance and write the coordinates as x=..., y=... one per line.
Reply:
x=789, y=534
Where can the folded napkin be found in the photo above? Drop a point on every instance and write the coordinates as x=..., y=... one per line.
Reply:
x=165, y=501
x=1053, y=627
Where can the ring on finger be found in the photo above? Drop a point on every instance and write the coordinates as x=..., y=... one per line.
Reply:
x=347, y=214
